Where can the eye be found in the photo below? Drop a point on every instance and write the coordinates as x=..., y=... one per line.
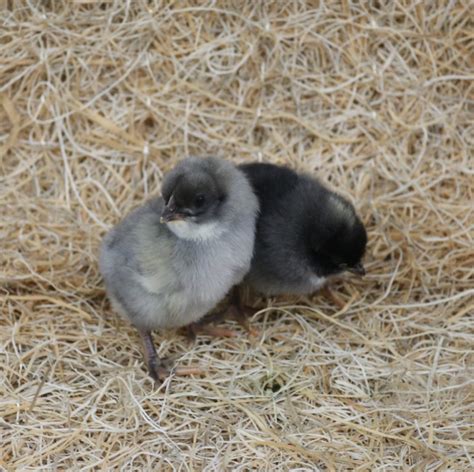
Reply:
x=199, y=201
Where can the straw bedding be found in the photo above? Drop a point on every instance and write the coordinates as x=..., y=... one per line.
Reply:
x=99, y=99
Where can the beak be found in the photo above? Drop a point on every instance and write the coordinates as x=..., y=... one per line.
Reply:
x=358, y=269
x=169, y=212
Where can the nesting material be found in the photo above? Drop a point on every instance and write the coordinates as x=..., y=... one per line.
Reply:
x=99, y=99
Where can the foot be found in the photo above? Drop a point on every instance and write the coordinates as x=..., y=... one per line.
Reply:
x=237, y=313
x=240, y=314
x=157, y=369
x=203, y=327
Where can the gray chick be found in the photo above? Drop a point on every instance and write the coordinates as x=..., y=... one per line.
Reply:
x=170, y=261
x=305, y=232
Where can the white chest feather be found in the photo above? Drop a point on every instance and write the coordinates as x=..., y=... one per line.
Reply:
x=192, y=231
x=317, y=282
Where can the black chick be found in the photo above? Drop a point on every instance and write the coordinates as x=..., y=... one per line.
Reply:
x=305, y=232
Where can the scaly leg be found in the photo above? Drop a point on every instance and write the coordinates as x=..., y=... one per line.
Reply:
x=156, y=368
x=240, y=313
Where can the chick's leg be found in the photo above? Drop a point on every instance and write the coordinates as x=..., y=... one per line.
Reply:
x=236, y=311
x=239, y=312
x=158, y=372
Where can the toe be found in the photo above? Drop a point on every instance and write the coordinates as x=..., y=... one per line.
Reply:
x=158, y=370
